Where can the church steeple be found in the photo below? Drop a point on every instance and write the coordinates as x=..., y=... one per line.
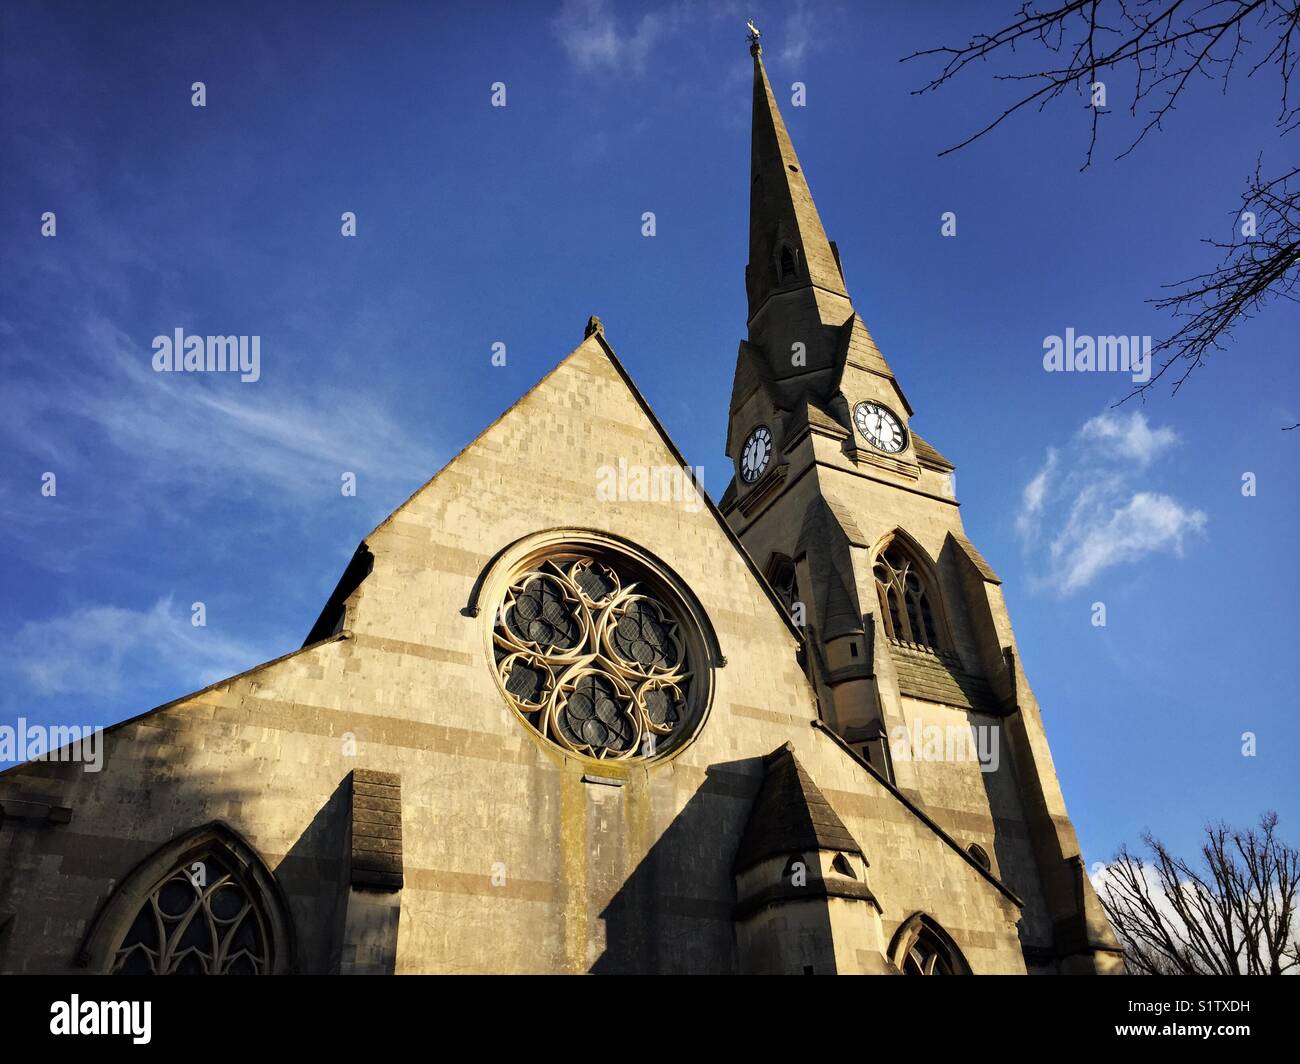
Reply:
x=803, y=332
x=799, y=306
x=788, y=248
x=853, y=518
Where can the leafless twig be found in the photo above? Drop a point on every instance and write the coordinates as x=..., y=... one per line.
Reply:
x=1234, y=915
x=1159, y=47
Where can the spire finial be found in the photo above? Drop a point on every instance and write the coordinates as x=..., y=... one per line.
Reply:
x=755, y=49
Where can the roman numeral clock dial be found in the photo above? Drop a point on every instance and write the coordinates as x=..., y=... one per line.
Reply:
x=756, y=454
x=880, y=427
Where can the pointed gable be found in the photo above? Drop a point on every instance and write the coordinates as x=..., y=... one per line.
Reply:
x=857, y=348
x=929, y=457
x=750, y=374
x=790, y=815
x=975, y=557
x=825, y=542
x=808, y=414
x=549, y=460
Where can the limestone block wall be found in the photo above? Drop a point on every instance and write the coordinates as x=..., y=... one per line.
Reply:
x=513, y=862
x=981, y=807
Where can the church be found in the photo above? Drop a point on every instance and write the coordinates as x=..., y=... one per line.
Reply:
x=543, y=726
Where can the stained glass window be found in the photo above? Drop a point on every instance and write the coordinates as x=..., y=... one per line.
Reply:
x=593, y=656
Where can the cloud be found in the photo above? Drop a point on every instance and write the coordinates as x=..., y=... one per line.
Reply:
x=598, y=39
x=1100, y=536
x=1129, y=437
x=1035, y=494
x=279, y=441
x=90, y=649
x=1105, y=873
x=1084, y=514
x=798, y=35
x=594, y=40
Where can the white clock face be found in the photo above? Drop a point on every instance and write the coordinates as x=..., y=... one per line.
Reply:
x=880, y=427
x=757, y=453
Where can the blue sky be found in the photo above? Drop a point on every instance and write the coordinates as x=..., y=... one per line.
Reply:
x=479, y=225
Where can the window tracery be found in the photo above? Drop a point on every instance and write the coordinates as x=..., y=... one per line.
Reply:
x=922, y=947
x=906, y=609
x=204, y=919
x=595, y=656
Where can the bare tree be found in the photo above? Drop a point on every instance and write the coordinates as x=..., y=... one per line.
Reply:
x=1158, y=47
x=1233, y=916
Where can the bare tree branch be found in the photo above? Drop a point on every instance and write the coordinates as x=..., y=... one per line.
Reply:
x=1234, y=915
x=1157, y=49
x=1161, y=45
x=1254, y=270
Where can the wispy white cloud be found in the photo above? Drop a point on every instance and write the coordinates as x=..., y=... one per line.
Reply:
x=594, y=38
x=91, y=649
x=606, y=37
x=1035, y=494
x=798, y=33
x=1085, y=513
x=1103, y=533
x=1129, y=437
x=1104, y=874
x=221, y=437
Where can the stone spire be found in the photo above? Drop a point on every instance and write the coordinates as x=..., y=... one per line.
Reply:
x=788, y=249
x=803, y=332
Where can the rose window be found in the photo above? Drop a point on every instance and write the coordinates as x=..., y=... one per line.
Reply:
x=593, y=652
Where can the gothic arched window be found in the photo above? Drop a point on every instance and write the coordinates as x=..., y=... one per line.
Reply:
x=922, y=947
x=784, y=580
x=796, y=871
x=204, y=904
x=907, y=609
x=202, y=920
x=787, y=264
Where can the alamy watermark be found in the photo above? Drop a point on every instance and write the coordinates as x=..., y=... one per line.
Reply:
x=77, y=1017
x=57, y=742
x=1098, y=354
x=644, y=483
x=179, y=353
x=975, y=743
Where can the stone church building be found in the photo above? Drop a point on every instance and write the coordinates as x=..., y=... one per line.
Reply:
x=623, y=730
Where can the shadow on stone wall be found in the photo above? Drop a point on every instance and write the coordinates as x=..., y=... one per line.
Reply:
x=674, y=913
x=312, y=875
x=93, y=853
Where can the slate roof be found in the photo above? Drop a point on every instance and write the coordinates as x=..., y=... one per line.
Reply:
x=926, y=453
x=977, y=559
x=923, y=674
x=790, y=815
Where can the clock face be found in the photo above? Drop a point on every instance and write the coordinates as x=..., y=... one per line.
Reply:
x=757, y=453
x=880, y=427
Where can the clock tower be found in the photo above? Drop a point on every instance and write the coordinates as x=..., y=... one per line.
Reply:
x=852, y=516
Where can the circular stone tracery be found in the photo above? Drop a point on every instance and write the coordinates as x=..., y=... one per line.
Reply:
x=596, y=654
